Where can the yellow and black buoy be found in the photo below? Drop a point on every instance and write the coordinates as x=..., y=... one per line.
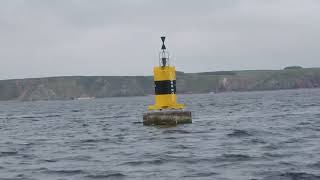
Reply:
x=166, y=110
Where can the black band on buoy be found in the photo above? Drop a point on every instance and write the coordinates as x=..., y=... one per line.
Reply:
x=165, y=87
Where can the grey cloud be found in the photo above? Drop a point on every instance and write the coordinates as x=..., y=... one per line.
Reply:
x=121, y=37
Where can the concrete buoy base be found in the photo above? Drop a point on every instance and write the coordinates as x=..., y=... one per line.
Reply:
x=167, y=117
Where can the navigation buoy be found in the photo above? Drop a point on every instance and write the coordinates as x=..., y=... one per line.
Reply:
x=166, y=110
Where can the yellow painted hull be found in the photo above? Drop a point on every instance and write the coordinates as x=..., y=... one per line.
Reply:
x=165, y=95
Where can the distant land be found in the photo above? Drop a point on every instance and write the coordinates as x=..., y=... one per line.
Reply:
x=83, y=87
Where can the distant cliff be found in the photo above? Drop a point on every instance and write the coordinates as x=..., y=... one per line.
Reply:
x=73, y=87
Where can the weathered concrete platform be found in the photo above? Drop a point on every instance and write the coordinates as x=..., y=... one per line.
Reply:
x=173, y=117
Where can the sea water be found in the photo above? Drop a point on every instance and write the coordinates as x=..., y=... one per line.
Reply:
x=248, y=135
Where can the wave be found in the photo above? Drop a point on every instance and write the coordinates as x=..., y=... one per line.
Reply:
x=33, y=117
x=315, y=165
x=76, y=110
x=68, y=158
x=151, y=162
x=257, y=141
x=234, y=157
x=105, y=176
x=239, y=133
x=271, y=146
x=63, y=172
x=8, y=153
x=112, y=117
x=275, y=155
x=29, y=117
x=293, y=176
x=179, y=131
x=201, y=174
x=94, y=140
x=50, y=160
x=53, y=115
x=137, y=122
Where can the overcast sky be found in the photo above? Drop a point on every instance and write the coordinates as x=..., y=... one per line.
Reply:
x=122, y=37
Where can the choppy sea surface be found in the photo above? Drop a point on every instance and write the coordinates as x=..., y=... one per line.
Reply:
x=250, y=135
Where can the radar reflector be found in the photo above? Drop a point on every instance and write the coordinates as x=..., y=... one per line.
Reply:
x=163, y=38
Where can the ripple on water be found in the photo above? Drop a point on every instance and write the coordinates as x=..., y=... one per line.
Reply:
x=233, y=157
x=178, y=131
x=317, y=115
x=182, y=146
x=8, y=153
x=63, y=171
x=103, y=139
x=37, y=117
x=197, y=160
x=68, y=158
x=257, y=141
x=106, y=176
x=276, y=155
x=49, y=160
x=53, y=115
x=315, y=165
x=149, y=162
x=76, y=110
x=271, y=146
x=29, y=117
x=94, y=140
x=239, y=133
x=293, y=176
x=28, y=156
x=20, y=176
x=304, y=123
x=137, y=122
x=201, y=174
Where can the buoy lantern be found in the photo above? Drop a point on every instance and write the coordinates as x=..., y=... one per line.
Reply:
x=166, y=110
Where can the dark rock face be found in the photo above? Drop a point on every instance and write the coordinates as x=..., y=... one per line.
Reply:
x=61, y=88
